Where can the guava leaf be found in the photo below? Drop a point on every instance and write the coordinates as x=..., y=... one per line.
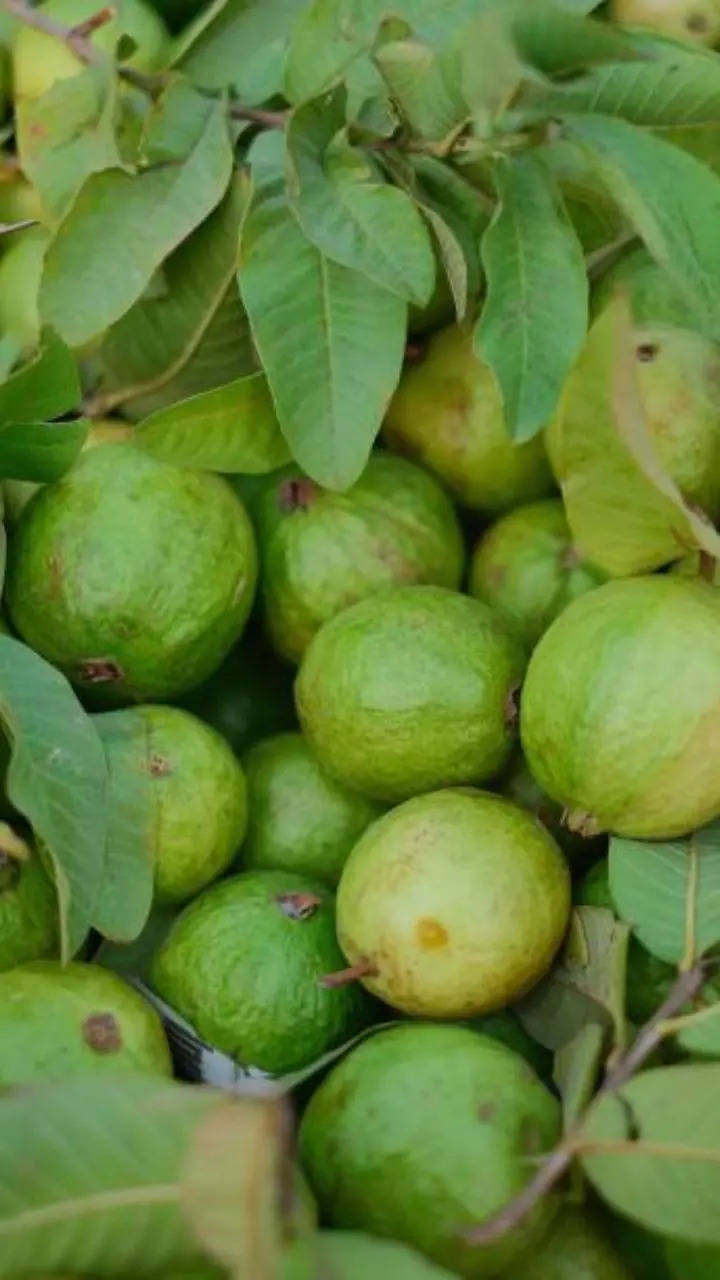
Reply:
x=350, y=216
x=330, y=340
x=232, y=428
x=465, y=209
x=121, y=227
x=586, y=985
x=701, y=1034
x=652, y=1150
x=425, y=83
x=132, y=826
x=683, y=92
x=95, y=1176
x=576, y=1068
x=40, y=451
x=243, y=48
x=670, y=198
x=669, y=892
x=533, y=324
x=158, y=337
x=555, y=42
x=58, y=780
x=45, y=387
x=67, y=134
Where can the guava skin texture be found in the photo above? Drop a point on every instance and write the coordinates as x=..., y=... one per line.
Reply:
x=619, y=718
x=132, y=576
x=62, y=1020
x=243, y=962
x=200, y=801
x=694, y=20
x=29, y=914
x=458, y=899
x=408, y=691
x=350, y=1255
x=575, y=1248
x=423, y=1131
x=322, y=551
x=526, y=568
x=447, y=414
x=299, y=819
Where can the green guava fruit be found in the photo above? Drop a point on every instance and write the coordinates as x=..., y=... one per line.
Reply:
x=322, y=551
x=198, y=796
x=39, y=60
x=21, y=268
x=133, y=576
x=447, y=413
x=694, y=20
x=19, y=199
x=29, y=928
x=62, y=1020
x=248, y=697
x=643, y=1251
x=575, y=1248
x=17, y=493
x=456, y=902
x=422, y=1131
x=688, y=1261
x=299, y=819
x=350, y=1255
x=410, y=690
x=242, y=963
x=518, y=784
x=618, y=719
x=505, y=1026
x=526, y=568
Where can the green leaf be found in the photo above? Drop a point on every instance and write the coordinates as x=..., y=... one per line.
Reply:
x=232, y=428
x=554, y=41
x=243, y=48
x=700, y=1036
x=67, y=134
x=40, y=451
x=683, y=92
x=532, y=327
x=586, y=985
x=57, y=779
x=122, y=227
x=350, y=216
x=331, y=343
x=196, y=319
x=576, y=1068
x=670, y=892
x=671, y=199
x=652, y=1150
x=102, y=1175
x=466, y=210
x=133, y=828
x=425, y=83
x=46, y=387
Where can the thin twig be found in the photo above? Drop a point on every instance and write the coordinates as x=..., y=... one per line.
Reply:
x=7, y=227
x=256, y=115
x=687, y=986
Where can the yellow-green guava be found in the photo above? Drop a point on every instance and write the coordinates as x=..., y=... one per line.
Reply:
x=527, y=569
x=20, y=271
x=455, y=901
x=243, y=964
x=61, y=1020
x=575, y=1248
x=19, y=199
x=299, y=819
x=519, y=785
x=694, y=20
x=133, y=576
x=447, y=414
x=408, y=691
x=618, y=715
x=199, y=800
x=39, y=60
x=29, y=914
x=422, y=1132
x=322, y=551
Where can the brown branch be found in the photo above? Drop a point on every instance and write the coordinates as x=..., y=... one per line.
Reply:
x=94, y=22
x=343, y=977
x=256, y=115
x=555, y=1165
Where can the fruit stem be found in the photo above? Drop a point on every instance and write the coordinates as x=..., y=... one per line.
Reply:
x=96, y=20
x=363, y=969
x=707, y=566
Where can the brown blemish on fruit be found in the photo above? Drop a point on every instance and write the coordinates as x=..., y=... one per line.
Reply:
x=415, y=352
x=296, y=494
x=510, y=708
x=101, y=1032
x=486, y=1112
x=698, y=23
x=298, y=906
x=100, y=671
x=159, y=767
x=646, y=352
x=570, y=558
x=56, y=567
x=431, y=935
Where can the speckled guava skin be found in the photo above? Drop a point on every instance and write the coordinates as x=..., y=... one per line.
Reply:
x=199, y=796
x=697, y=21
x=299, y=819
x=575, y=1248
x=62, y=1020
x=132, y=576
x=619, y=715
x=321, y=551
x=526, y=568
x=242, y=963
x=447, y=413
x=29, y=913
x=410, y=690
x=424, y=1130
x=458, y=899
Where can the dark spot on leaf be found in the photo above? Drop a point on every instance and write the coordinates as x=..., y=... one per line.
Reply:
x=298, y=906
x=297, y=494
x=101, y=1032
x=100, y=671
x=159, y=767
x=486, y=1112
x=647, y=352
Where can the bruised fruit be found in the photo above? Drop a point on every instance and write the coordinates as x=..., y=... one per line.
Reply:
x=453, y=904
x=299, y=819
x=575, y=1248
x=322, y=550
x=61, y=1020
x=618, y=716
x=694, y=20
x=447, y=413
x=243, y=962
x=29, y=913
x=422, y=1132
x=410, y=690
x=133, y=576
x=526, y=568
